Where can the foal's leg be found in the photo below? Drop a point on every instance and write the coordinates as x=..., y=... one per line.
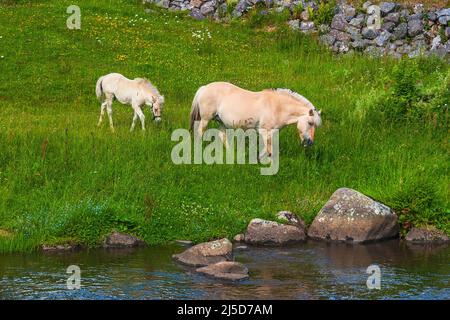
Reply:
x=109, y=109
x=134, y=121
x=140, y=114
x=102, y=113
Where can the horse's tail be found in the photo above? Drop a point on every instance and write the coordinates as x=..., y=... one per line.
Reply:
x=98, y=88
x=195, y=111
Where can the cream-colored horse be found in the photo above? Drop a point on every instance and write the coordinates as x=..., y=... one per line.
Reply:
x=135, y=92
x=265, y=110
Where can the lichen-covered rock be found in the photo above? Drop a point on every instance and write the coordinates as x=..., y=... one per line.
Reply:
x=351, y=216
x=401, y=31
x=357, y=22
x=196, y=14
x=122, y=240
x=383, y=38
x=387, y=7
x=292, y=219
x=392, y=17
x=206, y=253
x=415, y=27
x=226, y=270
x=425, y=235
x=369, y=33
x=327, y=39
x=207, y=9
x=264, y=232
x=339, y=22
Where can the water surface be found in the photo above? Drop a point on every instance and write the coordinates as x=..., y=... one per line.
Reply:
x=313, y=270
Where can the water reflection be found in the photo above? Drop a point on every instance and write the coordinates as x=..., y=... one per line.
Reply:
x=314, y=270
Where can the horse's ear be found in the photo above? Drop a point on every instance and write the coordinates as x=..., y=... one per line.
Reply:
x=311, y=112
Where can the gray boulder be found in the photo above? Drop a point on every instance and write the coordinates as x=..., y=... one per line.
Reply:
x=206, y=253
x=443, y=20
x=443, y=12
x=357, y=22
x=294, y=24
x=264, y=232
x=427, y=234
x=415, y=27
x=339, y=22
x=196, y=14
x=351, y=216
x=339, y=35
x=369, y=33
x=226, y=270
x=208, y=8
x=327, y=39
x=122, y=240
x=387, y=7
x=392, y=17
x=401, y=31
x=383, y=38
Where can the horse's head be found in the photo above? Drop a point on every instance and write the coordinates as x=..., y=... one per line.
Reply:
x=156, y=104
x=307, y=125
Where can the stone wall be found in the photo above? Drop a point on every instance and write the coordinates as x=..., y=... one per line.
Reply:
x=384, y=29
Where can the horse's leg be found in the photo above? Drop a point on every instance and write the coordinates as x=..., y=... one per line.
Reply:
x=141, y=115
x=223, y=137
x=102, y=113
x=109, y=109
x=202, y=126
x=134, y=121
x=265, y=137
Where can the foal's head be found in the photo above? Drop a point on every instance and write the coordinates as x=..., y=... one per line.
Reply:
x=156, y=103
x=307, y=125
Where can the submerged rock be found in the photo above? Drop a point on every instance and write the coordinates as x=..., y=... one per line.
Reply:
x=425, y=235
x=351, y=216
x=60, y=247
x=122, y=240
x=264, y=232
x=206, y=253
x=226, y=270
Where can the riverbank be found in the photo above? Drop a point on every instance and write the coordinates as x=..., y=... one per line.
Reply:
x=63, y=180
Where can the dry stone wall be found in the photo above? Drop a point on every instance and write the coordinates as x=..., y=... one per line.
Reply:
x=385, y=28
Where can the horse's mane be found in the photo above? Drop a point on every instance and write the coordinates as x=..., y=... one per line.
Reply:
x=152, y=88
x=297, y=96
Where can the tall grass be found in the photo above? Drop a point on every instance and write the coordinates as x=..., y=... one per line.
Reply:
x=62, y=179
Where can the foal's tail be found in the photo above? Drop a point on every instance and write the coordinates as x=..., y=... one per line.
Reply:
x=99, y=89
x=195, y=111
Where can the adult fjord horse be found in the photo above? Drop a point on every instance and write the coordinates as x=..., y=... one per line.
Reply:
x=135, y=92
x=265, y=111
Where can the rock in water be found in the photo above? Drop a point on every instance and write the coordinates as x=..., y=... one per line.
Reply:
x=263, y=232
x=425, y=235
x=226, y=270
x=206, y=253
x=122, y=240
x=351, y=216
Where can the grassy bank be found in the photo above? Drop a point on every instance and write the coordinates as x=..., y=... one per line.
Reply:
x=62, y=179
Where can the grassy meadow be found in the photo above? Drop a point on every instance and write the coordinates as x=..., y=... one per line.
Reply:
x=63, y=180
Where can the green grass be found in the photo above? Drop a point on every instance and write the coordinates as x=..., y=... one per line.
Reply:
x=62, y=179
